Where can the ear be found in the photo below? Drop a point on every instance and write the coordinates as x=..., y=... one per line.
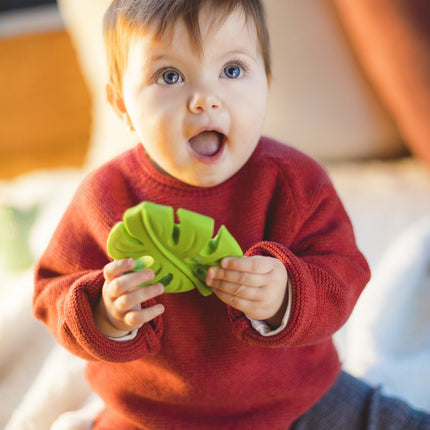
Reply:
x=116, y=100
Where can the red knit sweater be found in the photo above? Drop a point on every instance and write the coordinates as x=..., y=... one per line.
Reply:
x=201, y=365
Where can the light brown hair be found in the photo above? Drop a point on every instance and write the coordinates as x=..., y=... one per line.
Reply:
x=127, y=19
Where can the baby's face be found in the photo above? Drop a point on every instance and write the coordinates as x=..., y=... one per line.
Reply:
x=199, y=117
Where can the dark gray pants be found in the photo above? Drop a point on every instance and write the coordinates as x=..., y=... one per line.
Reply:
x=351, y=404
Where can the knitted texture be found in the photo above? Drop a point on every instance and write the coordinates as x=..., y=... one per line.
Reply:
x=201, y=365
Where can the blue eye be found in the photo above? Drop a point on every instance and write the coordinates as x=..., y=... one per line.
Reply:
x=233, y=71
x=169, y=77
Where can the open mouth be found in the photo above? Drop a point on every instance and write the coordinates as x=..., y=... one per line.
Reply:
x=207, y=144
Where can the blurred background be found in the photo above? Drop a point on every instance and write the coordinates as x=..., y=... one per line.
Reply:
x=44, y=100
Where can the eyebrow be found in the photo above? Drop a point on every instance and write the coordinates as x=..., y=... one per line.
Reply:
x=160, y=57
x=157, y=57
x=239, y=51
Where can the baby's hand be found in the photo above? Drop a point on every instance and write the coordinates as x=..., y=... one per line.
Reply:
x=255, y=285
x=119, y=311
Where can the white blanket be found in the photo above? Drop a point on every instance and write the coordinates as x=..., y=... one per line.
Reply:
x=386, y=341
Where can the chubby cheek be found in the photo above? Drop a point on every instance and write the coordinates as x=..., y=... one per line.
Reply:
x=156, y=125
x=250, y=110
x=165, y=148
x=248, y=129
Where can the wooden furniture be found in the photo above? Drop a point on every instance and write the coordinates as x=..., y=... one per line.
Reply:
x=44, y=104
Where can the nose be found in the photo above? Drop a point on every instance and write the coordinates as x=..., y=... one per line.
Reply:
x=201, y=101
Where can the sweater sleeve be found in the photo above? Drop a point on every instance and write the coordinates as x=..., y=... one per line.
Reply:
x=326, y=270
x=69, y=279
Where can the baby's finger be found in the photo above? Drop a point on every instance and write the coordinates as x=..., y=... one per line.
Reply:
x=133, y=299
x=255, y=264
x=128, y=282
x=136, y=318
x=116, y=268
x=235, y=277
x=237, y=302
x=234, y=289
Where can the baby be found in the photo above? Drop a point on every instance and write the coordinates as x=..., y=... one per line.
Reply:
x=191, y=78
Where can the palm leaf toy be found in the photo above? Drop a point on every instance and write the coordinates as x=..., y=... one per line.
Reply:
x=179, y=254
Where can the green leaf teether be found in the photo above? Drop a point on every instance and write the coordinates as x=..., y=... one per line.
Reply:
x=144, y=262
x=179, y=254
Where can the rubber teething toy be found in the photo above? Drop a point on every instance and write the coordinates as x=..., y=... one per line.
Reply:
x=179, y=254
